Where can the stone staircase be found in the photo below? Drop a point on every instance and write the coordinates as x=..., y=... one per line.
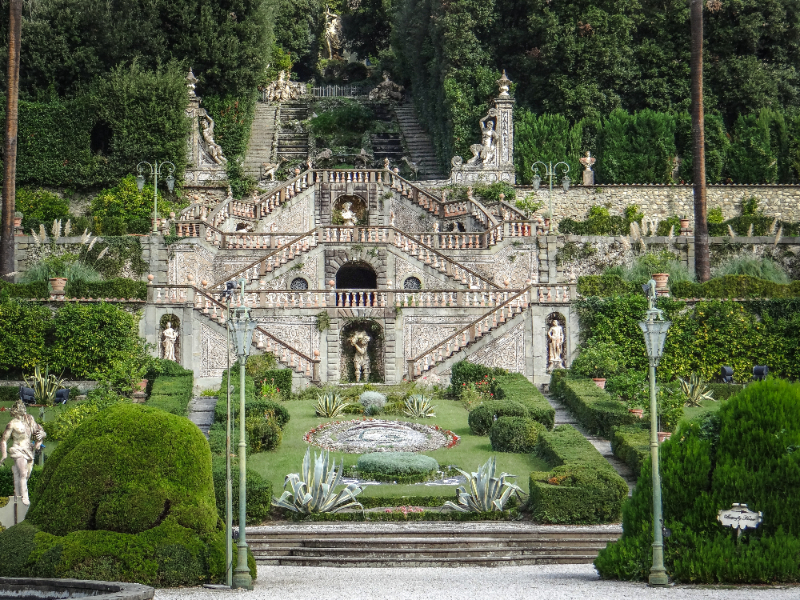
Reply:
x=427, y=545
x=201, y=412
x=387, y=145
x=261, y=146
x=418, y=142
x=293, y=143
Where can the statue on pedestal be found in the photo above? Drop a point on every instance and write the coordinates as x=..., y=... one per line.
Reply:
x=21, y=430
x=485, y=151
x=587, y=162
x=360, y=341
x=348, y=215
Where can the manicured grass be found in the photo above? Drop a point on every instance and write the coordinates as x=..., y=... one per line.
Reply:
x=471, y=451
x=690, y=412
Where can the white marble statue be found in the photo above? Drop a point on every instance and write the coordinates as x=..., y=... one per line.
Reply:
x=333, y=29
x=214, y=150
x=348, y=215
x=270, y=169
x=587, y=162
x=485, y=151
x=360, y=341
x=170, y=336
x=283, y=89
x=22, y=430
x=555, y=345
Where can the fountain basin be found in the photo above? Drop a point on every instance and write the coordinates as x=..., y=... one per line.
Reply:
x=39, y=588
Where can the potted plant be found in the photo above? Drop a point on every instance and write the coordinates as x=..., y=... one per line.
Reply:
x=597, y=361
x=547, y=215
x=661, y=280
x=684, y=222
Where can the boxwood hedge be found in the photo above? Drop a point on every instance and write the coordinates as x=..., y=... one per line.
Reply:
x=515, y=434
x=481, y=418
x=594, y=408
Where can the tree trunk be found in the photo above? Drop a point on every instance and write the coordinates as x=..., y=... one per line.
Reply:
x=702, y=264
x=10, y=158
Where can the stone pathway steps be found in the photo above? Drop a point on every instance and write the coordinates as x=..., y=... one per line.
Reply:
x=565, y=417
x=418, y=142
x=262, y=139
x=201, y=412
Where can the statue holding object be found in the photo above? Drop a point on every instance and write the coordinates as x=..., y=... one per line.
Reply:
x=22, y=430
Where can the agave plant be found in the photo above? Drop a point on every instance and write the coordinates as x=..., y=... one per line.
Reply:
x=418, y=407
x=484, y=491
x=44, y=386
x=330, y=405
x=695, y=390
x=314, y=492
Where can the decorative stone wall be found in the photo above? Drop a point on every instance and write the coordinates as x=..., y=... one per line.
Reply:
x=307, y=271
x=299, y=332
x=297, y=217
x=185, y=259
x=506, y=351
x=407, y=217
x=662, y=201
x=425, y=331
x=514, y=263
x=213, y=357
x=404, y=269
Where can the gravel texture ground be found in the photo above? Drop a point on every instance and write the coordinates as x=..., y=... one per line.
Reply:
x=550, y=582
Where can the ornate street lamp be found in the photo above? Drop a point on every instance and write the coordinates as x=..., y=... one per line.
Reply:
x=655, y=334
x=242, y=326
x=156, y=169
x=550, y=171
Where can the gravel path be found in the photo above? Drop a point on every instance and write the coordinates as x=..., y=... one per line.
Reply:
x=551, y=582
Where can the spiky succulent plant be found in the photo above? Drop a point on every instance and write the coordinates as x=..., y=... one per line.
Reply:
x=312, y=491
x=330, y=405
x=418, y=406
x=484, y=492
x=695, y=390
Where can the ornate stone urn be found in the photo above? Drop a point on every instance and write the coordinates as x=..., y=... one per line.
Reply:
x=58, y=284
x=662, y=289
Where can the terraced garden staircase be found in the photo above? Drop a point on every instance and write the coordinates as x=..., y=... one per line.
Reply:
x=418, y=142
x=427, y=544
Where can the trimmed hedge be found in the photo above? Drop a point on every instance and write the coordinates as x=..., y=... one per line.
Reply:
x=515, y=434
x=127, y=469
x=259, y=492
x=631, y=444
x=516, y=387
x=581, y=488
x=39, y=289
x=9, y=393
x=172, y=394
x=594, y=408
x=736, y=286
x=481, y=418
x=605, y=285
x=464, y=372
x=403, y=467
x=7, y=482
x=723, y=391
x=119, y=287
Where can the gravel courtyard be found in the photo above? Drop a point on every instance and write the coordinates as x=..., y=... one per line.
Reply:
x=550, y=582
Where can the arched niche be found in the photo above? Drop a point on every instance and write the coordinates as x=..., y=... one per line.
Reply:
x=357, y=205
x=356, y=275
x=555, y=340
x=169, y=334
x=372, y=369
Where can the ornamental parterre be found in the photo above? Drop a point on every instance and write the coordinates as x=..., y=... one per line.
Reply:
x=377, y=435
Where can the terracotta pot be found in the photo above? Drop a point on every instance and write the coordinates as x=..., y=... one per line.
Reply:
x=684, y=223
x=663, y=436
x=58, y=284
x=636, y=411
x=17, y=222
x=600, y=382
x=141, y=386
x=661, y=280
x=547, y=223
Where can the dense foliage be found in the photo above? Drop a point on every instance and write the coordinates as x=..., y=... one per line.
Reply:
x=172, y=394
x=515, y=434
x=745, y=454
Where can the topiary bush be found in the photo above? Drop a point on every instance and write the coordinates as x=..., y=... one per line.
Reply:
x=515, y=434
x=745, y=453
x=402, y=467
x=126, y=470
x=481, y=418
x=172, y=394
x=515, y=387
x=263, y=432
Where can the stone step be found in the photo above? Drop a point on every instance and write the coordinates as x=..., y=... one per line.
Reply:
x=392, y=562
x=201, y=412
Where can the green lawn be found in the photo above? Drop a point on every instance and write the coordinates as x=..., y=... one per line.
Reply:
x=471, y=451
x=690, y=412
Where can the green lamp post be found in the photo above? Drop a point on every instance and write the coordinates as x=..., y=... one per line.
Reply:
x=242, y=326
x=156, y=170
x=550, y=171
x=655, y=330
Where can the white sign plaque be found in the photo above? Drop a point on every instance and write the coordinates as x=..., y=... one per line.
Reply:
x=739, y=517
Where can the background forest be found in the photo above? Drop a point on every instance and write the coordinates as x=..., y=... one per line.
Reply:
x=102, y=82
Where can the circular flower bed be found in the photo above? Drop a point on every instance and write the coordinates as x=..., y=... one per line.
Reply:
x=377, y=435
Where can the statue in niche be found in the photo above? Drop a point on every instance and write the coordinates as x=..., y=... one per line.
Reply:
x=348, y=215
x=169, y=337
x=360, y=341
x=22, y=429
x=333, y=29
x=214, y=150
x=485, y=151
x=555, y=345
